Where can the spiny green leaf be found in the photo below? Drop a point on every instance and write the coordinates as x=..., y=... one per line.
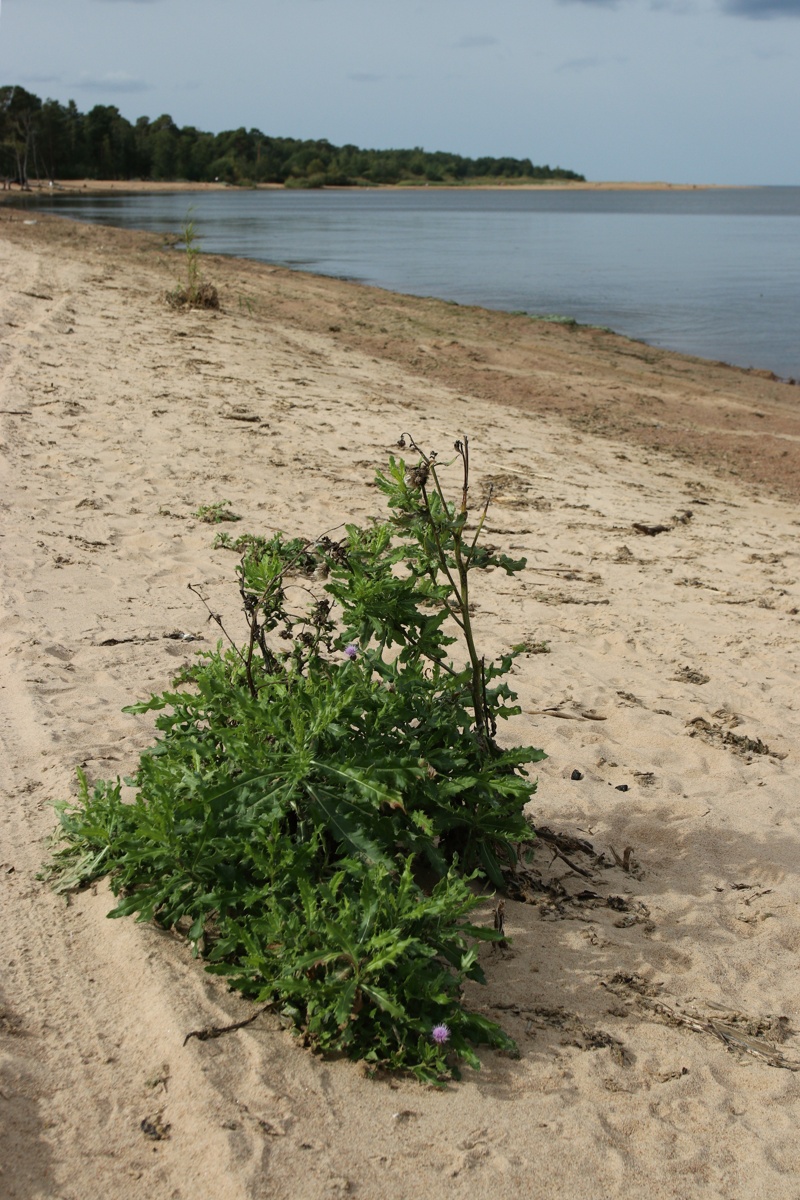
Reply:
x=384, y=1001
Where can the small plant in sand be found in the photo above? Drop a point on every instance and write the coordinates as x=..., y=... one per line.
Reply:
x=250, y=544
x=195, y=292
x=216, y=513
x=326, y=800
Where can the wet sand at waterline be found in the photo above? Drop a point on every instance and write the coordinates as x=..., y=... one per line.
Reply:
x=655, y=1007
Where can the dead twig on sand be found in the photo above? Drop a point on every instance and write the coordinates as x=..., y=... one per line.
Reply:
x=215, y=1031
x=724, y=1031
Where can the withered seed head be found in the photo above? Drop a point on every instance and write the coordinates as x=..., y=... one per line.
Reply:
x=321, y=612
x=418, y=476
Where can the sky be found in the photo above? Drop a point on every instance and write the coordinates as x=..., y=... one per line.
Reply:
x=684, y=91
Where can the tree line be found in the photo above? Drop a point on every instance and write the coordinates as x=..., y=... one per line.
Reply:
x=49, y=140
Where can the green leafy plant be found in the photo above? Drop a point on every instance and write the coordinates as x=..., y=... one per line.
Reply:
x=247, y=543
x=195, y=292
x=216, y=513
x=325, y=798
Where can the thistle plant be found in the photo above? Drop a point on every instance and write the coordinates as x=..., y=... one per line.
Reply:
x=327, y=798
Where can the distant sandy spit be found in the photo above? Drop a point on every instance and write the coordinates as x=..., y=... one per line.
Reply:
x=106, y=186
x=652, y=979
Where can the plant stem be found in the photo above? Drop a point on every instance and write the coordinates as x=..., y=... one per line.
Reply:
x=460, y=590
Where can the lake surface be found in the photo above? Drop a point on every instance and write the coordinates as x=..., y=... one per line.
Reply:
x=709, y=272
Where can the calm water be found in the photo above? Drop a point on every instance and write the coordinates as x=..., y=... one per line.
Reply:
x=712, y=273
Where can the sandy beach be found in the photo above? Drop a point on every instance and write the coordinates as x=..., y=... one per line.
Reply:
x=652, y=984
x=105, y=186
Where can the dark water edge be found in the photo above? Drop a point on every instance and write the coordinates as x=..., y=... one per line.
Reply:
x=713, y=273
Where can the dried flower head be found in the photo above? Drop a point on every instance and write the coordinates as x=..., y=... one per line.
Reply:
x=418, y=476
x=440, y=1034
x=336, y=550
x=321, y=612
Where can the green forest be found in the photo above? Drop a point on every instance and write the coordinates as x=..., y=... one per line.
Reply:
x=47, y=140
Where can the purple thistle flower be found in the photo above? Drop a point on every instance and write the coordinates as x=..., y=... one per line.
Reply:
x=351, y=652
x=440, y=1034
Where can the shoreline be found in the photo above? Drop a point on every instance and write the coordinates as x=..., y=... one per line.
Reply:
x=110, y=188
x=138, y=186
x=532, y=364
x=655, y=1001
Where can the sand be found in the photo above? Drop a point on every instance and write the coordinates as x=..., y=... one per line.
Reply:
x=148, y=185
x=657, y=1032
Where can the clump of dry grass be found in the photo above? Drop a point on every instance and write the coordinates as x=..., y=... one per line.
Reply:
x=203, y=295
x=196, y=292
